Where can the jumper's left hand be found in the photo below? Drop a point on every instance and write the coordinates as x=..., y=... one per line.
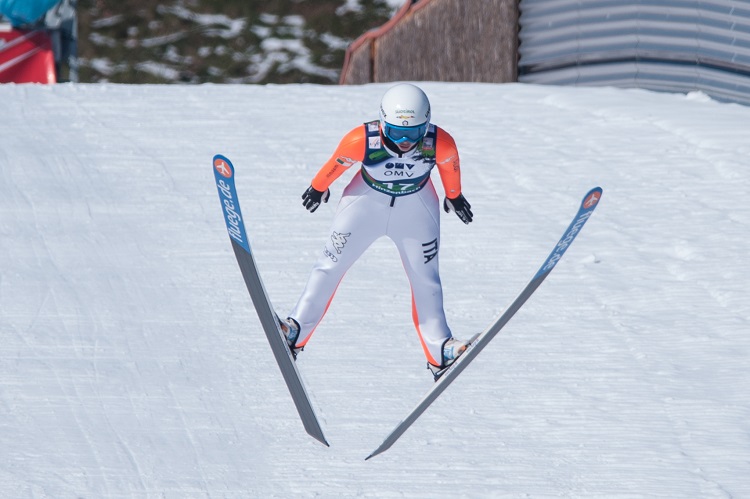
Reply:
x=460, y=206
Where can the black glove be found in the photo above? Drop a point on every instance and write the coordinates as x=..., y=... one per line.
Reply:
x=312, y=198
x=461, y=206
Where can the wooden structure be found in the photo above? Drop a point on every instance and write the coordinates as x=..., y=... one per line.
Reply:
x=439, y=40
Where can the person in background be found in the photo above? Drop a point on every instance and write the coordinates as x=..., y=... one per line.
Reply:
x=62, y=24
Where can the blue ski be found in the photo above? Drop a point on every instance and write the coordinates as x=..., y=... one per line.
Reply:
x=589, y=203
x=224, y=174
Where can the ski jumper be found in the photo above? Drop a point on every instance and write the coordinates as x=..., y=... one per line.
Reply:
x=391, y=196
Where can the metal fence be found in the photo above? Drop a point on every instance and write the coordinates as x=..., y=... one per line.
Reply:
x=669, y=45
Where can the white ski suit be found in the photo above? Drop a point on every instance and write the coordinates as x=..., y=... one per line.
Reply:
x=391, y=196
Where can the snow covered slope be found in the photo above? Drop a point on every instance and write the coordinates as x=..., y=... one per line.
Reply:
x=132, y=363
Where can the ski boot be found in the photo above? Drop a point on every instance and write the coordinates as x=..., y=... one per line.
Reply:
x=452, y=350
x=290, y=329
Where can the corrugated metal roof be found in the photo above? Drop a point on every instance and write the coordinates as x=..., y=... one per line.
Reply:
x=666, y=45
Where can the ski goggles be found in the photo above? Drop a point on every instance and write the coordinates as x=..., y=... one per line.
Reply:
x=399, y=134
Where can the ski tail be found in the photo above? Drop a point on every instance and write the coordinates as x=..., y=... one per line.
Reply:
x=284, y=358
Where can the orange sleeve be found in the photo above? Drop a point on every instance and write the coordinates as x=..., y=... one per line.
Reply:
x=351, y=150
x=448, y=163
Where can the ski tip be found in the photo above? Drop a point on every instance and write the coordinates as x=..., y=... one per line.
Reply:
x=591, y=198
x=223, y=166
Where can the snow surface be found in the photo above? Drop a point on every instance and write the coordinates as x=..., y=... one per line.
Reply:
x=132, y=363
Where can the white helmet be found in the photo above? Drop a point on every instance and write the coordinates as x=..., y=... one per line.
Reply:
x=404, y=113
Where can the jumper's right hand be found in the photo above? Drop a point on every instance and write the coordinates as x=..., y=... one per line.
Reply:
x=312, y=198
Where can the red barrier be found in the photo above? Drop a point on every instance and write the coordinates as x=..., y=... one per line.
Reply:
x=26, y=57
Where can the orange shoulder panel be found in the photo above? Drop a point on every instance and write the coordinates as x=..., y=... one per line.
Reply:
x=448, y=163
x=351, y=150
